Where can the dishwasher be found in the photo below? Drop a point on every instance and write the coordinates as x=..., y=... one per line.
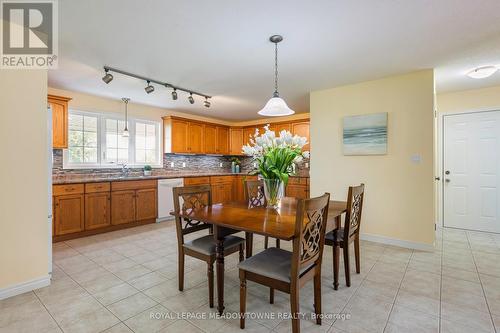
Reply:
x=166, y=197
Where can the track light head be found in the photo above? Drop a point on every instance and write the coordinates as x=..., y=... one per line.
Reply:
x=107, y=78
x=206, y=103
x=190, y=98
x=149, y=88
x=174, y=94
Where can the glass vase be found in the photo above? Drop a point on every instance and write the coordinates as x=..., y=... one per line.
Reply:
x=274, y=190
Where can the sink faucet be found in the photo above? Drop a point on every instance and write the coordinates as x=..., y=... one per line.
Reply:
x=125, y=169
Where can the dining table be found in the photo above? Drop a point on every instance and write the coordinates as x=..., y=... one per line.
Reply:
x=233, y=217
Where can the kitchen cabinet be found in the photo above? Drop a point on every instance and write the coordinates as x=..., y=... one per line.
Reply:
x=195, y=138
x=281, y=127
x=235, y=141
x=59, y=106
x=146, y=205
x=196, y=181
x=123, y=208
x=302, y=129
x=210, y=139
x=222, y=189
x=97, y=210
x=248, y=132
x=239, y=187
x=177, y=132
x=68, y=213
x=222, y=140
x=298, y=187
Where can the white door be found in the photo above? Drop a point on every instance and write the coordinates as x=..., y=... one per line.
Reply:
x=472, y=171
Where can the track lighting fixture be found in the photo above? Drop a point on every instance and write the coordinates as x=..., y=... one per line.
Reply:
x=107, y=78
x=206, y=103
x=149, y=88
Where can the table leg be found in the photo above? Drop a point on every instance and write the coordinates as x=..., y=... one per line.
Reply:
x=249, y=244
x=219, y=248
x=336, y=255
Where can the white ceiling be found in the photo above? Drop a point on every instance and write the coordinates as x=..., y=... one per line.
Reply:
x=221, y=47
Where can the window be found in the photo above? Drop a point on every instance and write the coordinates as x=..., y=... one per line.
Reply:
x=96, y=141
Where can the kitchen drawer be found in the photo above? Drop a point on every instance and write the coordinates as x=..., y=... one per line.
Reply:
x=221, y=179
x=133, y=184
x=97, y=187
x=297, y=181
x=67, y=189
x=196, y=181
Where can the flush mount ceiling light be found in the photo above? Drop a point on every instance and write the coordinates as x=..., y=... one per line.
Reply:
x=107, y=78
x=149, y=88
x=276, y=106
x=482, y=72
x=125, y=133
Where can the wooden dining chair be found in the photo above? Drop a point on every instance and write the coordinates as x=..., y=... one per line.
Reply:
x=289, y=271
x=349, y=233
x=203, y=248
x=254, y=196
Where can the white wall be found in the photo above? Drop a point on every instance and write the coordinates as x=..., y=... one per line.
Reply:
x=399, y=200
x=23, y=175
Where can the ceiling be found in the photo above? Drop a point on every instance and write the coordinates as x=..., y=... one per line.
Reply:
x=221, y=47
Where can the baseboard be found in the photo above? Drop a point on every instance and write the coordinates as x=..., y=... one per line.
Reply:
x=24, y=287
x=396, y=242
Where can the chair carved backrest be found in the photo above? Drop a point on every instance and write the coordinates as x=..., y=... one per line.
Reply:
x=254, y=193
x=193, y=198
x=354, y=209
x=310, y=225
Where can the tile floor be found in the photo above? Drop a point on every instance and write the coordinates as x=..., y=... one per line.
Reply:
x=125, y=281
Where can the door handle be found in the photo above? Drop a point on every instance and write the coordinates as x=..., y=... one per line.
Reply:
x=437, y=178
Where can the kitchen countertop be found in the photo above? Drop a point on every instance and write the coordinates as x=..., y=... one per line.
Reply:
x=96, y=178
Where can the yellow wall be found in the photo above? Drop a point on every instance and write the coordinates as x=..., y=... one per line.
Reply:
x=23, y=175
x=399, y=200
x=469, y=100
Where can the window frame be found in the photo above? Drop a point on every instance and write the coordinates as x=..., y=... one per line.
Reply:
x=101, y=142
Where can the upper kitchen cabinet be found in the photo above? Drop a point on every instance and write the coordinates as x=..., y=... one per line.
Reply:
x=195, y=138
x=222, y=140
x=302, y=129
x=210, y=139
x=175, y=135
x=235, y=141
x=59, y=106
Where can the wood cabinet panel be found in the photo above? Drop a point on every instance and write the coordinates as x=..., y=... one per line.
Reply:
x=97, y=187
x=195, y=138
x=68, y=214
x=222, y=140
x=247, y=133
x=196, y=181
x=235, y=141
x=210, y=139
x=297, y=191
x=302, y=129
x=222, y=192
x=133, y=184
x=123, y=209
x=179, y=136
x=59, y=106
x=281, y=127
x=67, y=189
x=97, y=210
x=146, y=206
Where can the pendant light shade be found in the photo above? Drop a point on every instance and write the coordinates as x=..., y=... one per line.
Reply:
x=276, y=106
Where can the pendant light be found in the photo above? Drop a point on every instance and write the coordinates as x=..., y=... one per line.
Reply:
x=276, y=106
x=125, y=133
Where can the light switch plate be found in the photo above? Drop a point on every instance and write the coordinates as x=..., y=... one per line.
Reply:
x=172, y=164
x=183, y=164
x=220, y=165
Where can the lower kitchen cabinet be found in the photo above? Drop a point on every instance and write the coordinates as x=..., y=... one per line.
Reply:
x=123, y=207
x=297, y=191
x=146, y=205
x=97, y=210
x=68, y=213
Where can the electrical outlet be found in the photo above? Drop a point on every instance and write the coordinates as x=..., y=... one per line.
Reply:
x=220, y=165
x=171, y=164
x=254, y=164
x=183, y=164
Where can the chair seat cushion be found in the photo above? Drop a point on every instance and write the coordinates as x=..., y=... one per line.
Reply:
x=273, y=263
x=336, y=238
x=206, y=244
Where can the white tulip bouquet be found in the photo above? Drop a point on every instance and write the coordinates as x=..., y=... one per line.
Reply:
x=275, y=156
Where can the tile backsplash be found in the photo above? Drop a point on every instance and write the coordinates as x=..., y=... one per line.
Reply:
x=193, y=163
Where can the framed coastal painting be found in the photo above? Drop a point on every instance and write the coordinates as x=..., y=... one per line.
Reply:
x=365, y=134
